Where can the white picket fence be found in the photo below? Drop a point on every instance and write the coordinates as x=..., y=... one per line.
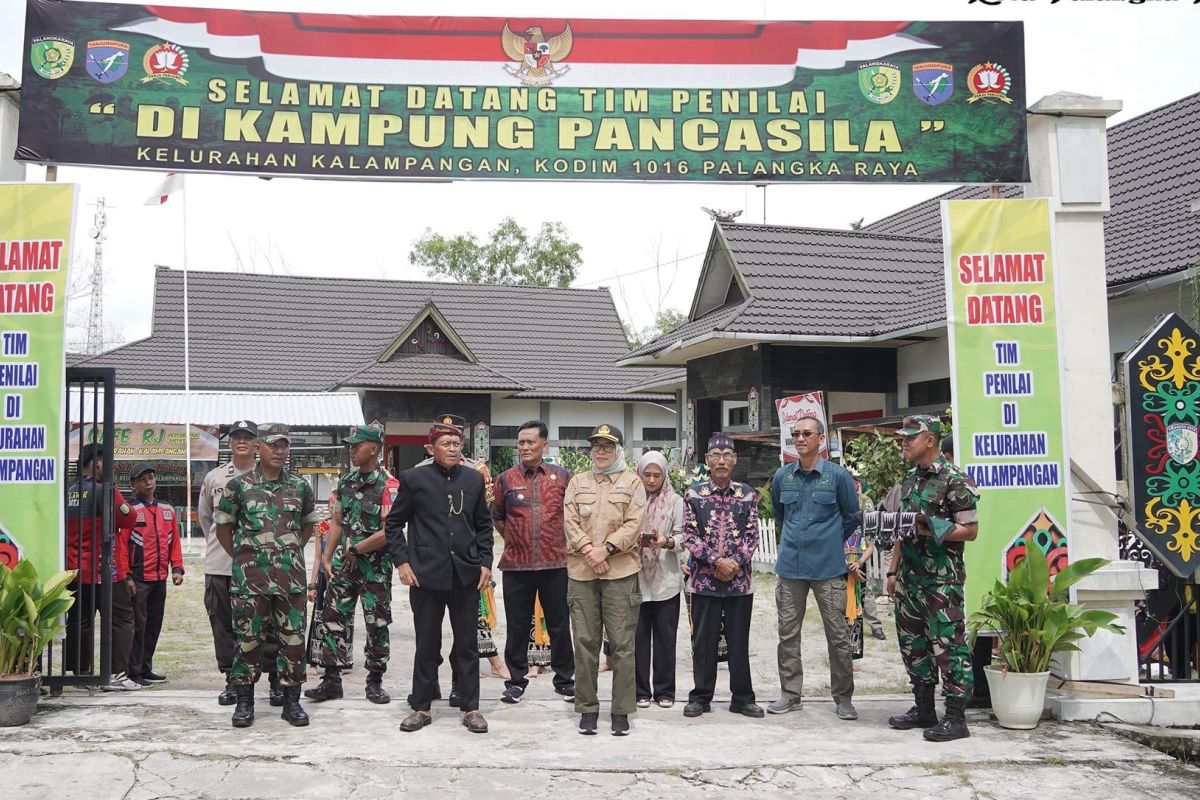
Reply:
x=768, y=551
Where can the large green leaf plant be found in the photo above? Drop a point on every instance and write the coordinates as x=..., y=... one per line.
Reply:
x=31, y=614
x=1035, y=618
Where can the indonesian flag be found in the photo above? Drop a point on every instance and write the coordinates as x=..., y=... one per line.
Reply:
x=479, y=51
x=170, y=185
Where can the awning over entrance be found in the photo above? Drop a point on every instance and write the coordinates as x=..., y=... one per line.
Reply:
x=298, y=409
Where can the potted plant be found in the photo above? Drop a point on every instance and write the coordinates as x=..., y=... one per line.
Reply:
x=1034, y=619
x=31, y=614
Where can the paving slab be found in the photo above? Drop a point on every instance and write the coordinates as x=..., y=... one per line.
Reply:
x=179, y=744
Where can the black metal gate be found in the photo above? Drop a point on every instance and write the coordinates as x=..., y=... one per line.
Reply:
x=89, y=524
x=1168, y=625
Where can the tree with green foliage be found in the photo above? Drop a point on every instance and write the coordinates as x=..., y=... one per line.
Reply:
x=876, y=459
x=510, y=255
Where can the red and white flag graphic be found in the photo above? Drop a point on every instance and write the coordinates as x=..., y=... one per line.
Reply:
x=476, y=51
x=171, y=184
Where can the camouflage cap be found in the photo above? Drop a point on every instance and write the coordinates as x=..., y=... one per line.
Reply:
x=273, y=432
x=921, y=423
x=364, y=433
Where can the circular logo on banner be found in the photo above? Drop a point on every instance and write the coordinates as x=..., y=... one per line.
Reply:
x=52, y=56
x=989, y=82
x=165, y=61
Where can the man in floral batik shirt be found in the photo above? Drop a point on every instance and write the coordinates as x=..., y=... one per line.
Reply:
x=720, y=530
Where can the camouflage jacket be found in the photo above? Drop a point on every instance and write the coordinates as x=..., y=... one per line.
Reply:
x=268, y=519
x=943, y=491
x=361, y=502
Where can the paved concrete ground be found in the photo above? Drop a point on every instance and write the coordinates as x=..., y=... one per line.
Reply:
x=174, y=741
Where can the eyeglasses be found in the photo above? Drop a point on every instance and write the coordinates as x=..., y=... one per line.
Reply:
x=604, y=448
x=722, y=456
x=804, y=434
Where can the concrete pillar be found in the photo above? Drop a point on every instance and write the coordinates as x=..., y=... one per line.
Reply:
x=1068, y=160
x=10, y=113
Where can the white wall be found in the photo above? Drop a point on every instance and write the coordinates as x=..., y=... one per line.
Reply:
x=925, y=361
x=1129, y=317
x=511, y=411
x=649, y=415
x=10, y=169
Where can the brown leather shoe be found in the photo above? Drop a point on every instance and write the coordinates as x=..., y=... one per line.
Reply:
x=474, y=722
x=415, y=721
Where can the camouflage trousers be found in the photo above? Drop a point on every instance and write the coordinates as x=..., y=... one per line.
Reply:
x=336, y=630
x=258, y=620
x=931, y=627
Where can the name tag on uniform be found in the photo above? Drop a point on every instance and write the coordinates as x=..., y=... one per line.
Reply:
x=167, y=515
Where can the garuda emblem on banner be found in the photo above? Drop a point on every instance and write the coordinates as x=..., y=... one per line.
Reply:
x=537, y=57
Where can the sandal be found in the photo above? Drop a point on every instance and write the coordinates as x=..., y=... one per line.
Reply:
x=643, y=702
x=665, y=702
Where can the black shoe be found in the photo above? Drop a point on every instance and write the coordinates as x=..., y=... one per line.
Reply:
x=139, y=680
x=228, y=696
x=878, y=633
x=752, y=710
x=153, y=677
x=696, y=708
x=330, y=688
x=292, y=711
x=566, y=692
x=276, y=696
x=587, y=723
x=921, y=715
x=512, y=695
x=620, y=724
x=243, y=715
x=375, y=692
x=952, y=726
x=455, y=700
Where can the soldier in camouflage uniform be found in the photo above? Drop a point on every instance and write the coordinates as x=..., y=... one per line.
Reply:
x=264, y=519
x=926, y=578
x=360, y=569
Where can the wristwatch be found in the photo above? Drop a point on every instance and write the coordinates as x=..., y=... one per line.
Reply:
x=610, y=547
x=352, y=550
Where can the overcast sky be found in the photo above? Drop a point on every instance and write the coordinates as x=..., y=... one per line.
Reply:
x=1143, y=55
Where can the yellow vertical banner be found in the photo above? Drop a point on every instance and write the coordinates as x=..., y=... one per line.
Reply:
x=36, y=221
x=1006, y=374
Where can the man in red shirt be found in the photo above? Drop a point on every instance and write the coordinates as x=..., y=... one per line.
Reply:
x=154, y=552
x=85, y=511
x=527, y=510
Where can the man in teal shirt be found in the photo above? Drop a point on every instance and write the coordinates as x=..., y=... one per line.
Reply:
x=815, y=504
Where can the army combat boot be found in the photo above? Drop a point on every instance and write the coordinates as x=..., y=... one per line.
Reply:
x=330, y=687
x=276, y=695
x=243, y=715
x=375, y=692
x=953, y=725
x=292, y=712
x=921, y=715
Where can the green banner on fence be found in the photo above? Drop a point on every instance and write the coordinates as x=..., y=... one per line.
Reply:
x=342, y=96
x=1007, y=379
x=35, y=248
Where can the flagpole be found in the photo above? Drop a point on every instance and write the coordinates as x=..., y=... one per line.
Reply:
x=187, y=377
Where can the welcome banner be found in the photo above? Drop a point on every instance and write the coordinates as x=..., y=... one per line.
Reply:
x=35, y=248
x=1007, y=383
x=341, y=96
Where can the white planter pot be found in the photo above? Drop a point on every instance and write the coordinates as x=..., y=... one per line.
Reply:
x=1018, y=698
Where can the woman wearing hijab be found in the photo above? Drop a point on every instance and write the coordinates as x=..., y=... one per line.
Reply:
x=603, y=509
x=661, y=582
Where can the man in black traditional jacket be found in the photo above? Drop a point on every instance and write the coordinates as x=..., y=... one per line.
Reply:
x=445, y=559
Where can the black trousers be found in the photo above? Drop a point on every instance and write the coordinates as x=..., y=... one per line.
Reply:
x=706, y=616
x=81, y=624
x=521, y=589
x=658, y=626
x=428, y=610
x=149, y=605
x=220, y=618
